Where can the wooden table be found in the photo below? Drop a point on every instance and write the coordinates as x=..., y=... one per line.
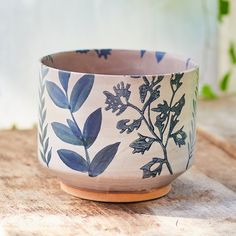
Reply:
x=202, y=201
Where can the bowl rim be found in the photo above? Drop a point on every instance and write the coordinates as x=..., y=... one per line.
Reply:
x=176, y=56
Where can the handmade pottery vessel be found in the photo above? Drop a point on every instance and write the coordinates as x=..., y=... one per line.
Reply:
x=117, y=125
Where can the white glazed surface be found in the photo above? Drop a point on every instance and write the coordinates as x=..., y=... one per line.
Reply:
x=123, y=173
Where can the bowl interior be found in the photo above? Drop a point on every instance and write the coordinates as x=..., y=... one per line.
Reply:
x=119, y=62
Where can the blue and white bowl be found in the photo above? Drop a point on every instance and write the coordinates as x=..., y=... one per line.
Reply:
x=117, y=125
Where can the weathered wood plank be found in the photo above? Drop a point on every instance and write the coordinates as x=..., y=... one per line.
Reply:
x=217, y=122
x=215, y=163
x=202, y=201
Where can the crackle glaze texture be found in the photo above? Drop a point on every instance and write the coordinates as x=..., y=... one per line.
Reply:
x=117, y=120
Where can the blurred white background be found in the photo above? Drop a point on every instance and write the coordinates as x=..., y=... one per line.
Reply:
x=31, y=29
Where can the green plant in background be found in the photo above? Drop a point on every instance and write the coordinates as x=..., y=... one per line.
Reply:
x=224, y=82
x=223, y=9
x=207, y=91
x=232, y=53
x=14, y=127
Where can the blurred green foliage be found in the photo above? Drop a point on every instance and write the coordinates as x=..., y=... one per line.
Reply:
x=14, y=127
x=232, y=53
x=207, y=92
x=223, y=9
x=224, y=83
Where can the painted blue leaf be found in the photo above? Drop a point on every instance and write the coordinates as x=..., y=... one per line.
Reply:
x=73, y=160
x=57, y=95
x=102, y=159
x=142, y=52
x=159, y=56
x=92, y=127
x=64, y=79
x=43, y=157
x=46, y=145
x=42, y=104
x=65, y=134
x=75, y=129
x=41, y=90
x=84, y=51
x=80, y=92
x=187, y=63
x=49, y=156
x=103, y=53
x=40, y=125
x=41, y=139
x=44, y=71
x=44, y=133
x=42, y=115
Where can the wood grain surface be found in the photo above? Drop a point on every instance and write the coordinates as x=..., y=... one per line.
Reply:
x=217, y=122
x=201, y=202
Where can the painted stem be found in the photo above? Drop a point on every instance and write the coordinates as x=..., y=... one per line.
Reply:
x=85, y=149
x=87, y=155
x=84, y=144
x=166, y=160
x=168, y=118
x=188, y=163
x=168, y=136
x=156, y=138
x=146, y=122
x=149, y=118
x=151, y=128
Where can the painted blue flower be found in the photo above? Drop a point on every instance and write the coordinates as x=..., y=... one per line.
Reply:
x=159, y=56
x=142, y=52
x=116, y=102
x=84, y=51
x=103, y=53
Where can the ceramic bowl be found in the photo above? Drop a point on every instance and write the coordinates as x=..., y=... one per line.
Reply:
x=117, y=125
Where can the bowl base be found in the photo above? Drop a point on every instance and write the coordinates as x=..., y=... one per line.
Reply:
x=116, y=196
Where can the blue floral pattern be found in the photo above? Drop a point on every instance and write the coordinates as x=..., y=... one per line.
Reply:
x=142, y=52
x=192, y=132
x=158, y=55
x=162, y=130
x=71, y=132
x=102, y=53
x=45, y=150
x=84, y=51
